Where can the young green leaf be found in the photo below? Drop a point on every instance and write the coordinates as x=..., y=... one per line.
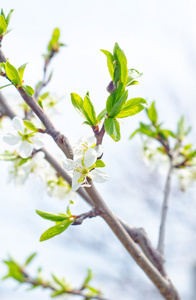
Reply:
x=77, y=103
x=132, y=75
x=29, y=259
x=110, y=62
x=120, y=69
x=55, y=230
x=12, y=73
x=2, y=87
x=132, y=107
x=89, y=111
x=88, y=278
x=3, y=25
x=21, y=71
x=60, y=282
x=134, y=133
x=102, y=114
x=30, y=126
x=99, y=164
x=54, y=44
x=112, y=128
x=115, y=97
x=9, y=16
x=152, y=113
x=52, y=217
x=146, y=129
x=8, y=156
x=57, y=293
x=118, y=105
x=29, y=90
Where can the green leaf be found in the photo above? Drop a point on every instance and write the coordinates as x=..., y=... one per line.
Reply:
x=9, y=16
x=2, y=13
x=92, y=289
x=2, y=87
x=102, y=114
x=99, y=164
x=77, y=103
x=167, y=133
x=146, y=129
x=55, y=230
x=53, y=44
x=112, y=128
x=30, y=126
x=39, y=101
x=23, y=161
x=110, y=62
x=52, y=217
x=132, y=75
x=60, y=282
x=134, y=133
x=44, y=96
x=120, y=69
x=57, y=293
x=21, y=71
x=8, y=156
x=12, y=73
x=89, y=111
x=30, y=258
x=88, y=278
x=152, y=113
x=118, y=105
x=115, y=97
x=29, y=90
x=132, y=107
x=3, y=25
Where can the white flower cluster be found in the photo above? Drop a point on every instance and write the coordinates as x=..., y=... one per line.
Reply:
x=55, y=186
x=24, y=140
x=186, y=176
x=83, y=165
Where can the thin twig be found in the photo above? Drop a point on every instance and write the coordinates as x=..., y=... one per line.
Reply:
x=90, y=214
x=161, y=241
x=47, y=285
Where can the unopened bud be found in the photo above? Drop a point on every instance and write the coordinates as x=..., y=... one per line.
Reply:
x=111, y=87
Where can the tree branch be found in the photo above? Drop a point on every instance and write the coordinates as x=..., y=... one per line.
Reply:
x=164, y=286
x=160, y=247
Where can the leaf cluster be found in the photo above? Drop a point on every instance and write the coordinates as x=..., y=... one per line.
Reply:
x=63, y=221
x=58, y=285
x=16, y=76
x=4, y=22
x=156, y=131
x=54, y=44
x=117, y=104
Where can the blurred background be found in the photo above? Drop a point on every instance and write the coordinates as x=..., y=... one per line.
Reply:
x=159, y=40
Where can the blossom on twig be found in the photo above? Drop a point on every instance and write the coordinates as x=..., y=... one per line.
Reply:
x=24, y=140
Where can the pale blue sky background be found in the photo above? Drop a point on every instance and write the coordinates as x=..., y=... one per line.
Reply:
x=159, y=39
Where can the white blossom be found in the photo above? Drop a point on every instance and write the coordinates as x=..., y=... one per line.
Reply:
x=84, y=144
x=25, y=142
x=82, y=168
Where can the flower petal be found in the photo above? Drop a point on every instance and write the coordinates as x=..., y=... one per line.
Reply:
x=69, y=165
x=25, y=149
x=90, y=157
x=91, y=140
x=98, y=175
x=99, y=150
x=37, y=141
x=18, y=124
x=12, y=138
x=75, y=183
